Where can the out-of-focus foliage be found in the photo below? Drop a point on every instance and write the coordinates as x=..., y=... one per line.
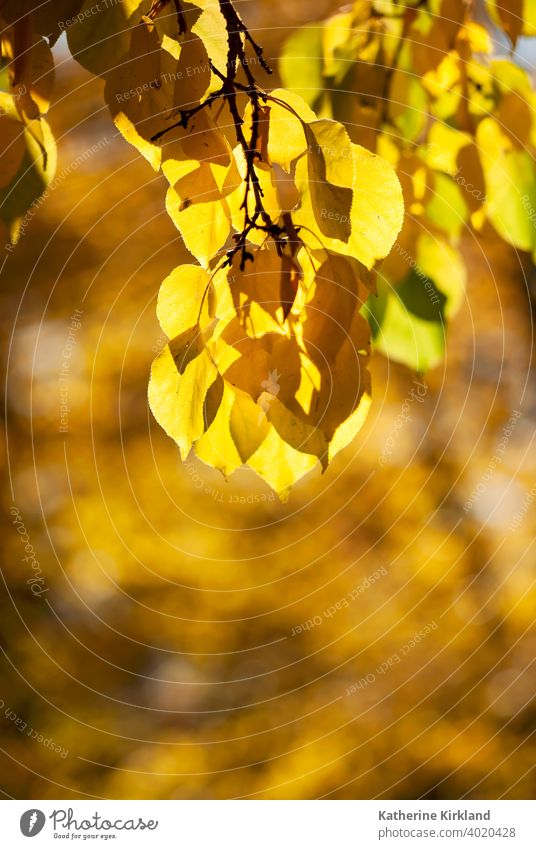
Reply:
x=27, y=147
x=419, y=84
x=516, y=18
x=171, y=653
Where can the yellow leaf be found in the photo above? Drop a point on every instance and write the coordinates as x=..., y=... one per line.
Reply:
x=300, y=435
x=443, y=78
x=443, y=146
x=256, y=292
x=183, y=300
x=279, y=464
x=477, y=37
x=34, y=73
x=443, y=264
x=99, y=37
x=286, y=139
x=235, y=433
x=211, y=29
x=197, y=205
x=247, y=425
x=510, y=177
x=330, y=177
x=348, y=429
x=140, y=90
x=332, y=300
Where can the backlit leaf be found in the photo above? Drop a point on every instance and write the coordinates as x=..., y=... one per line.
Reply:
x=376, y=212
x=510, y=178
x=99, y=37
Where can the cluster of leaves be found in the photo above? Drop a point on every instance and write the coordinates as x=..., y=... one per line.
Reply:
x=286, y=217
x=421, y=84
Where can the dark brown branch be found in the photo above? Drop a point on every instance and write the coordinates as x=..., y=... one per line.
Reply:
x=158, y=5
x=181, y=19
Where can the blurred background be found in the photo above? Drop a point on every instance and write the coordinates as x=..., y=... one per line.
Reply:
x=186, y=637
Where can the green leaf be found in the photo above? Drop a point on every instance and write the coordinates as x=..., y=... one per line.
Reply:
x=510, y=177
x=447, y=209
x=407, y=322
x=408, y=102
x=445, y=267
